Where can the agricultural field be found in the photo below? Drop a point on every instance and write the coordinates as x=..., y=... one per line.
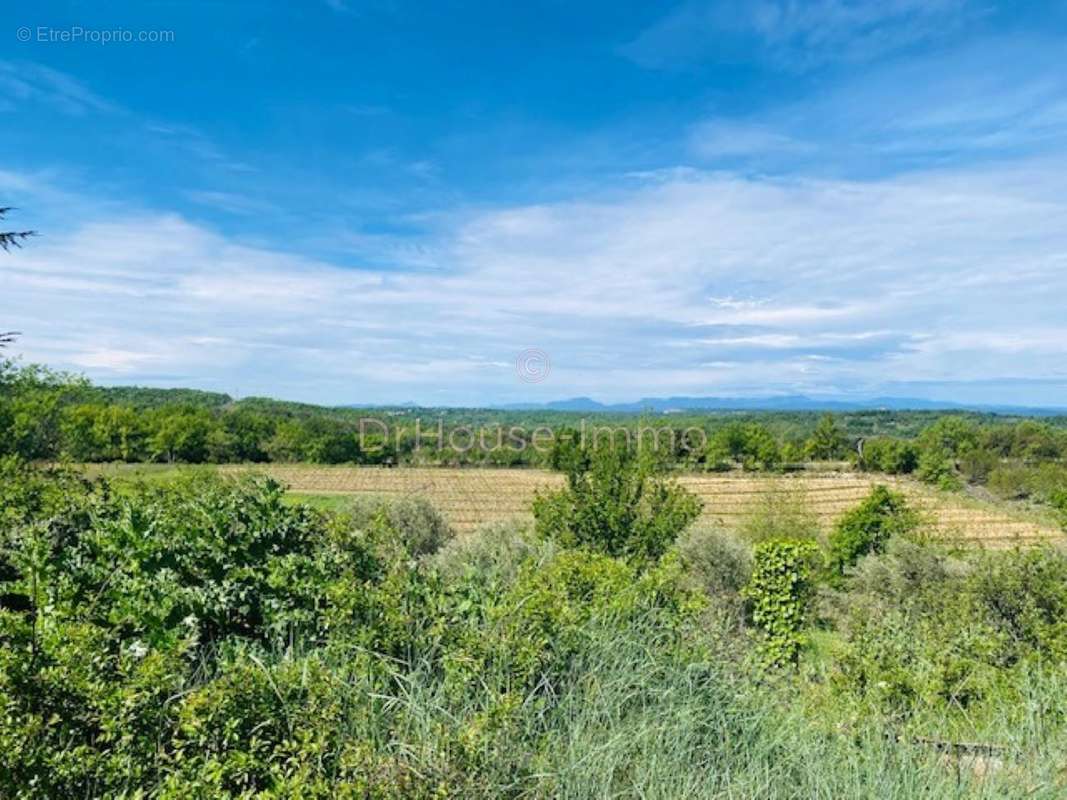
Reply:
x=471, y=497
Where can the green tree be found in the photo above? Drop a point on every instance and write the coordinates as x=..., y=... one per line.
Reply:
x=828, y=442
x=182, y=435
x=750, y=445
x=614, y=503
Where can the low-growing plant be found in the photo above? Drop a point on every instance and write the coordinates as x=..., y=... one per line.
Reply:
x=720, y=562
x=923, y=631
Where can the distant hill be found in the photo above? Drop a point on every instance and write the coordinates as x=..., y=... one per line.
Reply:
x=147, y=397
x=666, y=405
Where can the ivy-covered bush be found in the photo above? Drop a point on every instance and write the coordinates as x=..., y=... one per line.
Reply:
x=780, y=591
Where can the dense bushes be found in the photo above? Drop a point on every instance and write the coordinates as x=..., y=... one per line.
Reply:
x=748, y=445
x=924, y=631
x=203, y=638
x=891, y=456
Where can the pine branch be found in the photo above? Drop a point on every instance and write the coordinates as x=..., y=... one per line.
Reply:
x=9, y=239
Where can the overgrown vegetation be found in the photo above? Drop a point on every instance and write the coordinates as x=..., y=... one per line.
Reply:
x=199, y=636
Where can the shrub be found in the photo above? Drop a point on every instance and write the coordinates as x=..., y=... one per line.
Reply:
x=719, y=561
x=936, y=468
x=978, y=463
x=613, y=503
x=414, y=522
x=780, y=592
x=495, y=551
x=1018, y=481
x=866, y=528
x=1059, y=502
x=749, y=444
x=923, y=632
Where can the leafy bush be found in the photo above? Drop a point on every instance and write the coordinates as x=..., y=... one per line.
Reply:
x=417, y=525
x=936, y=467
x=866, y=528
x=614, y=503
x=923, y=631
x=1058, y=501
x=828, y=441
x=977, y=464
x=780, y=591
x=720, y=562
x=1019, y=481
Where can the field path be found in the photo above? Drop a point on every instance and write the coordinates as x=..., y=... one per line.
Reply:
x=472, y=497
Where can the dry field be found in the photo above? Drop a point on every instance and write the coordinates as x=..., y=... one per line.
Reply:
x=471, y=497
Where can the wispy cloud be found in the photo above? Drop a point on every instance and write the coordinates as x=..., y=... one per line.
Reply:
x=24, y=82
x=795, y=284
x=795, y=34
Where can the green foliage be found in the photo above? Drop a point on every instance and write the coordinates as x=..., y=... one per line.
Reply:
x=780, y=592
x=202, y=638
x=719, y=564
x=950, y=435
x=614, y=503
x=926, y=632
x=1020, y=481
x=412, y=522
x=868, y=527
x=749, y=445
x=936, y=467
x=976, y=464
x=828, y=442
x=891, y=456
x=1058, y=500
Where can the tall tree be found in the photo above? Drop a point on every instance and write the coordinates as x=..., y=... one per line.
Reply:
x=9, y=239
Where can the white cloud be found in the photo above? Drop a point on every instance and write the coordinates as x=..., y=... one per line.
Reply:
x=697, y=283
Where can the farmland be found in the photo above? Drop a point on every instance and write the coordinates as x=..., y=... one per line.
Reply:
x=469, y=498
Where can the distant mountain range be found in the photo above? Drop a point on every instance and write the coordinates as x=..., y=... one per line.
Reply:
x=666, y=405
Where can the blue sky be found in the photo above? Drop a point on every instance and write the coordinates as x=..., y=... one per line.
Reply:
x=341, y=201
